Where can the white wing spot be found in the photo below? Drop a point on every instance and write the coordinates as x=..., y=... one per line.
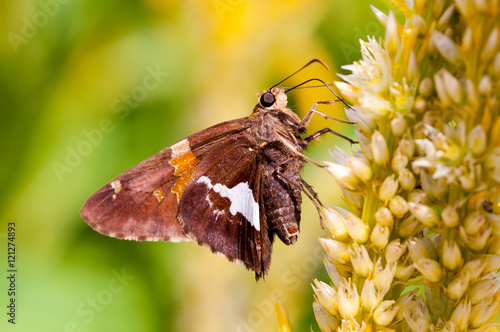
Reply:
x=180, y=148
x=206, y=181
x=241, y=198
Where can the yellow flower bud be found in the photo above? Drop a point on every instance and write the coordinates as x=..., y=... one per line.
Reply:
x=394, y=251
x=413, y=71
x=475, y=268
x=385, y=312
x=404, y=271
x=365, y=145
x=379, y=149
x=380, y=236
x=477, y=140
x=326, y=296
x=434, y=188
x=477, y=241
x=353, y=201
x=334, y=275
x=491, y=46
x=452, y=257
x=445, y=46
x=357, y=229
x=369, y=296
x=407, y=146
x=384, y=217
x=344, y=176
x=398, y=126
x=360, y=260
x=425, y=214
x=382, y=278
x=483, y=289
x=388, y=188
x=334, y=222
x=457, y=287
x=325, y=321
x=363, y=123
x=452, y=87
x=409, y=227
x=491, y=263
x=398, y=206
x=360, y=168
x=391, y=36
x=348, y=301
x=445, y=18
x=417, y=316
x=406, y=179
x=420, y=105
x=336, y=250
x=461, y=314
x=430, y=270
x=482, y=313
x=474, y=222
x=425, y=87
x=380, y=15
x=399, y=161
x=485, y=86
x=441, y=89
x=417, y=196
x=496, y=64
x=450, y=217
x=419, y=249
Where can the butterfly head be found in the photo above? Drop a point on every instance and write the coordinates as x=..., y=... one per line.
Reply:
x=274, y=98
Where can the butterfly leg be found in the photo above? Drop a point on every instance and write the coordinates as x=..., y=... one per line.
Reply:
x=294, y=150
x=313, y=111
x=313, y=196
x=304, y=187
x=323, y=131
x=309, y=191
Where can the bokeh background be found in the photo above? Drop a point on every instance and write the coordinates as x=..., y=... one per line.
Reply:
x=90, y=88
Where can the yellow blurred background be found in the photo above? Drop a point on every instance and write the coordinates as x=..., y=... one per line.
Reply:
x=91, y=88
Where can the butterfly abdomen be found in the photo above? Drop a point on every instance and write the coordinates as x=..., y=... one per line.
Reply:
x=282, y=206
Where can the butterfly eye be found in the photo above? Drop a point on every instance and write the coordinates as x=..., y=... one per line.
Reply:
x=267, y=99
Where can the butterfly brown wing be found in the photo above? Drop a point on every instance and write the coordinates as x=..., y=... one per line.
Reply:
x=142, y=203
x=221, y=203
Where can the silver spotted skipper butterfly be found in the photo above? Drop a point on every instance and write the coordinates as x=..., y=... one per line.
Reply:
x=230, y=187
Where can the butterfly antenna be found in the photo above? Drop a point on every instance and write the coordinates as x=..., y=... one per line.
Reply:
x=323, y=82
x=313, y=86
x=303, y=67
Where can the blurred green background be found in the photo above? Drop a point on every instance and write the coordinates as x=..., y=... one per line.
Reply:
x=90, y=88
